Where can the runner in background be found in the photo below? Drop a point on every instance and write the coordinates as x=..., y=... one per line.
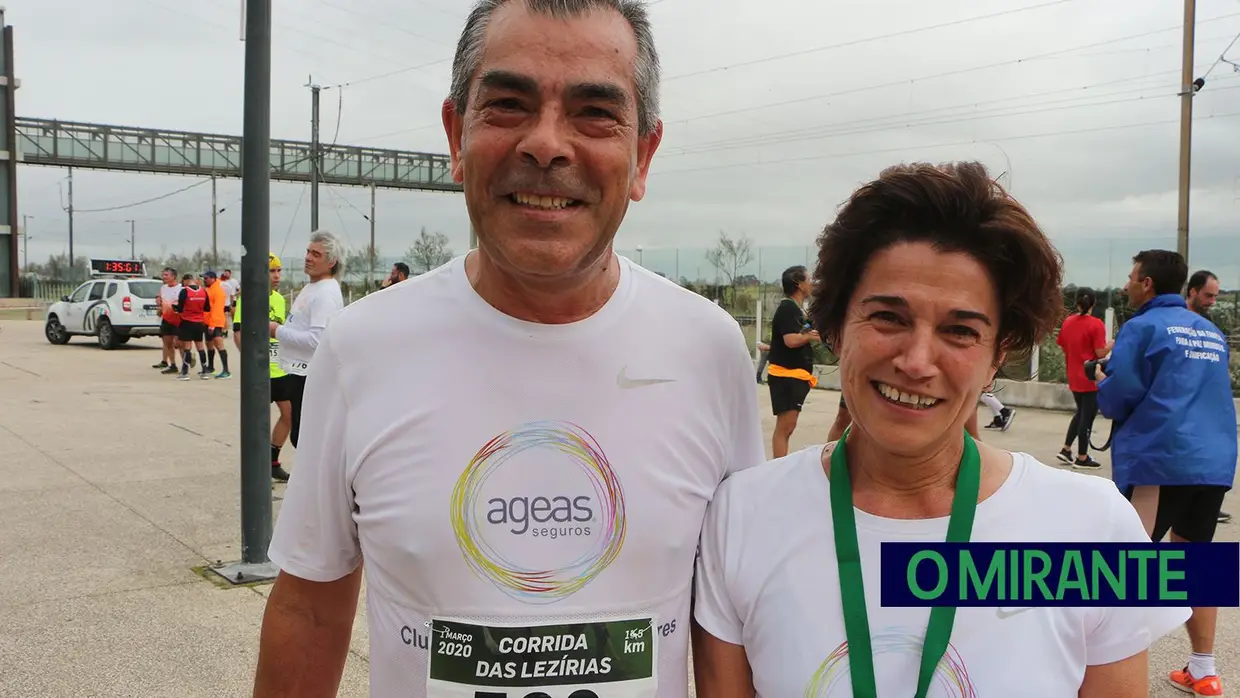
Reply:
x=192, y=305
x=1003, y=416
x=314, y=306
x=790, y=367
x=217, y=326
x=165, y=304
x=279, y=379
x=1082, y=337
x=233, y=288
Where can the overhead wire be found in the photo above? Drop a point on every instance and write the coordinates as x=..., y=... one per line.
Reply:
x=1222, y=58
x=139, y=203
x=399, y=71
x=382, y=22
x=857, y=42
x=293, y=222
x=906, y=148
x=933, y=76
x=903, y=121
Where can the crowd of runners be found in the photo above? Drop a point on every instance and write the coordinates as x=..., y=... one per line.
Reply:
x=195, y=313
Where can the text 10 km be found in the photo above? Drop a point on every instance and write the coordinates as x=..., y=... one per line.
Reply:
x=579, y=693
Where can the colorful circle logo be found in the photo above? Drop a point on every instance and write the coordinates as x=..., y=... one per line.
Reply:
x=524, y=583
x=951, y=676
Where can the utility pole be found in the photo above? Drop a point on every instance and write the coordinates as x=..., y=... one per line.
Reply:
x=1188, y=89
x=25, y=240
x=72, y=265
x=215, y=214
x=132, y=237
x=314, y=155
x=256, y=522
x=371, y=279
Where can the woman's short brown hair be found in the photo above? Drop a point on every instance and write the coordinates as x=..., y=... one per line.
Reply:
x=955, y=207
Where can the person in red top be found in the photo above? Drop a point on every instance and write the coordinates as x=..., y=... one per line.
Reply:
x=193, y=306
x=1082, y=338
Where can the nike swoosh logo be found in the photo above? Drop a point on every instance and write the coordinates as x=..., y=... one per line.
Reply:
x=1004, y=614
x=627, y=383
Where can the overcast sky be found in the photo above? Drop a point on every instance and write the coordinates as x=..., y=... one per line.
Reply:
x=774, y=112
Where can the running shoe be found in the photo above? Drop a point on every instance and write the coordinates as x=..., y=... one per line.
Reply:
x=1211, y=686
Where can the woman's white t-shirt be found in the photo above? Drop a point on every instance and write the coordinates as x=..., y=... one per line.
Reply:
x=767, y=579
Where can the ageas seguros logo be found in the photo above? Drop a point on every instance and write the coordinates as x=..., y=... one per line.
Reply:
x=545, y=517
x=539, y=547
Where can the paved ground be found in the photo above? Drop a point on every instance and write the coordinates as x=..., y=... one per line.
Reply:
x=115, y=482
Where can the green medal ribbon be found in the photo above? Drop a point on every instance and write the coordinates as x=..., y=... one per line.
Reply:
x=852, y=586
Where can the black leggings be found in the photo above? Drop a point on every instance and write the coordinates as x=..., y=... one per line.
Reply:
x=1082, y=420
x=297, y=387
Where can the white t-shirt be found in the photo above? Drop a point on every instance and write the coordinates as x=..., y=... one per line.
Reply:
x=767, y=579
x=170, y=295
x=302, y=330
x=231, y=286
x=504, y=472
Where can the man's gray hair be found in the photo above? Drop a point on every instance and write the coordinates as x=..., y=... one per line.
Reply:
x=646, y=72
x=333, y=247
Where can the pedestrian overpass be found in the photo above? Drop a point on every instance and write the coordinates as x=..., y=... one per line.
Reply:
x=90, y=146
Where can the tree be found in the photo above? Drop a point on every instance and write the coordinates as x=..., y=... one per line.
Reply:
x=429, y=251
x=729, y=257
x=357, y=266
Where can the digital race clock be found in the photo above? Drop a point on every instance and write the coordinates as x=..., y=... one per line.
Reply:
x=122, y=267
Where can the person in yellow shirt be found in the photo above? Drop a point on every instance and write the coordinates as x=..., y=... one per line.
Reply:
x=280, y=388
x=217, y=299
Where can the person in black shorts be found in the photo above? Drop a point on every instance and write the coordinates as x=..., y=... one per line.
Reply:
x=192, y=306
x=1188, y=512
x=790, y=368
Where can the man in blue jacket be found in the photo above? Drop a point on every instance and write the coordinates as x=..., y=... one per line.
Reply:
x=1167, y=387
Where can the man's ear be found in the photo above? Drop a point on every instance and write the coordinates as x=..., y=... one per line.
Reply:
x=454, y=127
x=646, y=147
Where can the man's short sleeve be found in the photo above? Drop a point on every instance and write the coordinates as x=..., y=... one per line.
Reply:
x=713, y=608
x=315, y=535
x=1115, y=634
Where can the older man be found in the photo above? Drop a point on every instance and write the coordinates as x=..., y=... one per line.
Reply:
x=299, y=334
x=522, y=442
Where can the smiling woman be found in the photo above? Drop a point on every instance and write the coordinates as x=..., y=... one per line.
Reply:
x=931, y=279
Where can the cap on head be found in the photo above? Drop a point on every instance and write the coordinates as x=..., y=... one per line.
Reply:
x=273, y=262
x=208, y=274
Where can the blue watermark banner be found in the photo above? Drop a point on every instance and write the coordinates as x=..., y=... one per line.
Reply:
x=1060, y=574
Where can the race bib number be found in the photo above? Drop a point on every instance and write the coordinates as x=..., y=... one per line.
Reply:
x=274, y=352
x=606, y=659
